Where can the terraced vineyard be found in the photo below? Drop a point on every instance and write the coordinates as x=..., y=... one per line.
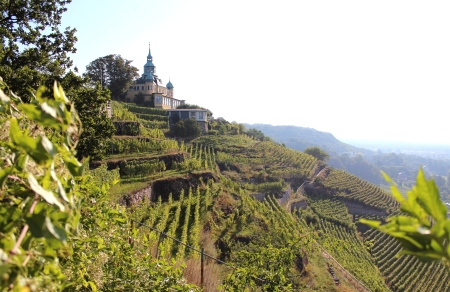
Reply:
x=350, y=187
x=121, y=145
x=151, y=118
x=338, y=235
x=405, y=273
x=259, y=160
x=180, y=219
x=243, y=228
x=153, y=121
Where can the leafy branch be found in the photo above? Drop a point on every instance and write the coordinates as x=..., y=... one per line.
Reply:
x=424, y=230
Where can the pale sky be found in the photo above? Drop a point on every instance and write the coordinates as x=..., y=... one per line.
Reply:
x=367, y=70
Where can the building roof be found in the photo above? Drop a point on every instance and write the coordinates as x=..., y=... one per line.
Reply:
x=149, y=64
x=186, y=110
x=149, y=76
x=169, y=85
x=149, y=58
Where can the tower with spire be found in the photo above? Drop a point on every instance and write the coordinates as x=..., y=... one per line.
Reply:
x=149, y=90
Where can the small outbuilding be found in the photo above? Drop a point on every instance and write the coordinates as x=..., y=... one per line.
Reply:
x=200, y=115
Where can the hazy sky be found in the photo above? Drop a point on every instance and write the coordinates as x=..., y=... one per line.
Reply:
x=377, y=70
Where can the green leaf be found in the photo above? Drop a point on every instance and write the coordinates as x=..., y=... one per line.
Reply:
x=48, y=146
x=30, y=145
x=58, y=93
x=371, y=223
x=44, y=115
x=47, y=195
x=75, y=167
x=4, y=175
x=428, y=195
x=48, y=110
x=55, y=230
x=21, y=161
x=36, y=224
x=61, y=190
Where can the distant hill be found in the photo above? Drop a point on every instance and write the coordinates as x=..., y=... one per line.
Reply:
x=300, y=138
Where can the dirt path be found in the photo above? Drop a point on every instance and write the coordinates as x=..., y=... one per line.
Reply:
x=358, y=285
x=352, y=279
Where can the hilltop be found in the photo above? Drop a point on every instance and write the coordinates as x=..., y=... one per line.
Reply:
x=300, y=138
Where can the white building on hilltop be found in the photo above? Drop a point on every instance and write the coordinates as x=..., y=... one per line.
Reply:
x=148, y=89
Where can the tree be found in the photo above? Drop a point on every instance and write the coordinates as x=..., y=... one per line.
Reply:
x=90, y=103
x=97, y=127
x=139, y=98
x=187, y=128
x=256, y=134
x=34, y=52
x=33, y=49
x=317, y=153
x=114, y=72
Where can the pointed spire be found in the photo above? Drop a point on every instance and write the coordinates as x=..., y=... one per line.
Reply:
x=149, y=57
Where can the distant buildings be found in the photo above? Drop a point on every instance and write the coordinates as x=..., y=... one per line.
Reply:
x=402, y=176
x=148, y=89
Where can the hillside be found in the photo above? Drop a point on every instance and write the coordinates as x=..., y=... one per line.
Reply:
x=300, y=138
x=278, y=216
x=364, y=163
x=222, y=212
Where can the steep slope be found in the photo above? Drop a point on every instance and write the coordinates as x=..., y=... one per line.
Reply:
x=276, y=216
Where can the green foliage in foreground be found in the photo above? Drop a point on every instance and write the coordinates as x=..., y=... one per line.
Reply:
x=38, y=201
x=425, y=231
x=58, y=229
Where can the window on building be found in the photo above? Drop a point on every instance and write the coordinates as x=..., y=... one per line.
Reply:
x=142, y=87
x=192, y=114
x=158, y=99
x=200, y=115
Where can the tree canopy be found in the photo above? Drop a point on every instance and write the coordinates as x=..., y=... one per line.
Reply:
x=113, y=72
x=317, y=153
x=34, y=51
x=256, y=134
x=97, y=128
x=187, y=128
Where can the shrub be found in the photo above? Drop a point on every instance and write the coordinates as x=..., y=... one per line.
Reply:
x=187, y=128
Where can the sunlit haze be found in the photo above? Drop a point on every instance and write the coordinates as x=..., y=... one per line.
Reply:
x=362, y=70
